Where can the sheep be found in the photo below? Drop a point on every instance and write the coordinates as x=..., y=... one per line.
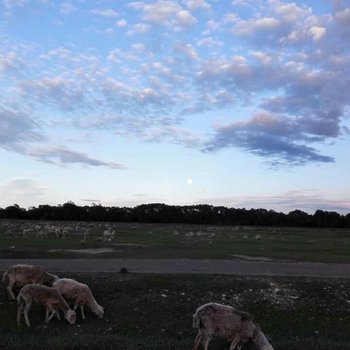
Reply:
x=22, y=274
x=50, y=297
x=108, y=235
x=215, y=319
x=80, y=293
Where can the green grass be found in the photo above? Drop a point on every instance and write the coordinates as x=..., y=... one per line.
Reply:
x=181, y=241
x=155, y=312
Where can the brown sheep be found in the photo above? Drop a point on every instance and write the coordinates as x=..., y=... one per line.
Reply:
x=214, y=319
x=47, y=296
x=21, y=274
x=80, y=293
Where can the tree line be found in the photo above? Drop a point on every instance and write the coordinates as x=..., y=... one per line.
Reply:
x=188, y=214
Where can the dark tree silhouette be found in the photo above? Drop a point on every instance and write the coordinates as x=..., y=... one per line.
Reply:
x=190, y=214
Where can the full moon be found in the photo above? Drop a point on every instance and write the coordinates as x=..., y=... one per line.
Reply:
x=189, y=181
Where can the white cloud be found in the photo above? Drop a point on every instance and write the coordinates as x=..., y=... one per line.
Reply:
x=317, y=32
x=63, y=92
x=187, y=50
x=261, y=56
x=121, y=23
x=67, y=8
x=289, y=12
x=209, y=41
x=197, y=4
x=139, y=28
x=252, y=26
x=167, y=13
x=14, y=3
x=10, y=62
x=105, y=12
x=23, y=191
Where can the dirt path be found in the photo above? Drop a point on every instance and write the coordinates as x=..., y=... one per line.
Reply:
x=230, y=267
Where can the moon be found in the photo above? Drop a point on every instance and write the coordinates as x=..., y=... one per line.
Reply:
x=189, y=181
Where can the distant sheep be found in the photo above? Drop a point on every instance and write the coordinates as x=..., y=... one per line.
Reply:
x=80, y=293
x=108, y=235
x=214, y=319
x=47, y=296
x=21, y=274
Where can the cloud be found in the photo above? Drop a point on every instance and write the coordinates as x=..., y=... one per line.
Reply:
x=187, y=50
x=105, y=12
x=252, y=26
x=67, y=8
x=9, y=4
x=197, y=4
x=178, y=135
x=17, y=129
x=10, y=62
x=317, y=32
x=280, y=139
x=21, y=190
x=121, y=23
x=63, y=156
x=270, y=56
x=63, y=92
x=209, y=41
x=139, y=28
x=166, y=13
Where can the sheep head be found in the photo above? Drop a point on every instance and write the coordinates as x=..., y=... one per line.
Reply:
x=99, y=311
x=71, y=316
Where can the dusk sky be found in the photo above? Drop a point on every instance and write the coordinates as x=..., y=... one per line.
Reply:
x=241, y=103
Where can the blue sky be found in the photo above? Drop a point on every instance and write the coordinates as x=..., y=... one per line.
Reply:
x=242, y=103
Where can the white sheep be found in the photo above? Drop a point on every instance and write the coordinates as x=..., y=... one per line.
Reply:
x=108, y=235
x=22, y=274
x=214, y=319
x=47, y=296
x=80, y=293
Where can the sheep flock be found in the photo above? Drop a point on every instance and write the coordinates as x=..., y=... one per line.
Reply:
x=65, y=295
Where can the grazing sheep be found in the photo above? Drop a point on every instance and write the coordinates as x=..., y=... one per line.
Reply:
x=214, y=319
x=108, y=235
x=22, y=274
x=50, y=297
x=80, y=293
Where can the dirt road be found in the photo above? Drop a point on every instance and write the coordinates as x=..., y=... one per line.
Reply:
x=230, y=267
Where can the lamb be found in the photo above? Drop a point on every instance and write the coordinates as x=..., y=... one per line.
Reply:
x=22, y=274
x=50, y=297
x=215, y=319
x=80, y=293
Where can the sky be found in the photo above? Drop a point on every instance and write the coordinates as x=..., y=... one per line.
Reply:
x=241, y=103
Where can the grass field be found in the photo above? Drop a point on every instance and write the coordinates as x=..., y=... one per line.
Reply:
x=154, y=312
x=173, y=241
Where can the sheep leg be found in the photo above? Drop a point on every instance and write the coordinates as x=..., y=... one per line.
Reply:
x=235, y=343
x=57, y=313
x=207, y=341
x=47, y=315
x=82, y=311
x=53, y=313
x=198, y=340
x=9, y=289
x=19, y=314
x=26, y=309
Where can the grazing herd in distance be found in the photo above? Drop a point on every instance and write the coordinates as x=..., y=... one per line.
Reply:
x=210, y=319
